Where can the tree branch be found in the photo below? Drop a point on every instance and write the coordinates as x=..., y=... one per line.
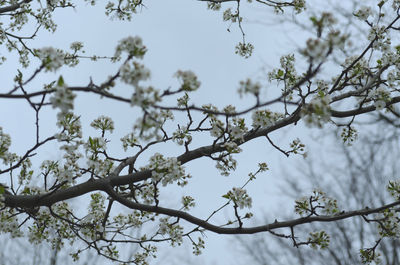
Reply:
x=13, y=7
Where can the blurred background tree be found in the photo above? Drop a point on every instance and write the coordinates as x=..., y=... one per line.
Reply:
x=356, y=177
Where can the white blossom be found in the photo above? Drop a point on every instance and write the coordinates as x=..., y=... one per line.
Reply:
x=379, y=104
x=232, y=147
x=5, y=142
x=213, y=6
x=129, y=140
x=166, y=170
x=316, y=49
x=133, y=73
x=103, y=123
x=318, y=111
x=227, y=164
x=363, y=13
x=396, y=4
x=62, y=98
x=240, y=197
x=228, y=15
x=52, y=59
x=217, y=128
x=133, y=46
x=188, y=79
x=163, y=226
x=175, y=231
x=52, y=3
x=237, y=132
x=264, y=118
x=181, y=135
x=145, y=96
x=378, y=32
x=250, y=87
x=244, y=49
x=76, y=46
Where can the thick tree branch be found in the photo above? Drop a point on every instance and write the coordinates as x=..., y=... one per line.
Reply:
x=13, y=7
x=115, y=179
x=243, y=230
x=354, y=112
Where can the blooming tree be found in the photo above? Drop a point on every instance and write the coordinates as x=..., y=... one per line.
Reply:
x=35, y=199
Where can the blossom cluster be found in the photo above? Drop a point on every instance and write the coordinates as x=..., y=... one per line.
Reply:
x=286, y=72
x=237, y=132
x=188, y=202
x=318, y=200
x=349, y=135
x=188, y=79
x=69, y=170
x=132, y=219
x=227, y=163
x=134, y=72
x=5, y=143
x=237, y=129
x=62, y=98
x=363, y=13
x=71, y=128
x=48, y=228
x=297, y=146
x=325, y=20
x=396, y=4
x=317, y=112
x=228, y=15
x=150, y=124
x=369, y=255
x=318, y=49
x=129, y=140
x=249, y=87
x=183, y=101
x=71, y=135
x=232, y=147
x=52, y=59
x=394, y=188
x=265, y=118
x=145, y=96
x=244, y=49
x=217, y=127
x=103, y=123
x=98, y=166
x=133, y=46
x=377, y=32
x=214, y=6
x=380, y=37
x=175, y=231
x=9, y=223
x=319, y=239
x=181, y=135
x=167, y=170
x=380, y=96
x=92, y=222
x=357, y=68
x=147, y=192
x=389, y=225
x=123, y=10
x=66, y=172
x=76, y=46
x=239, y=197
